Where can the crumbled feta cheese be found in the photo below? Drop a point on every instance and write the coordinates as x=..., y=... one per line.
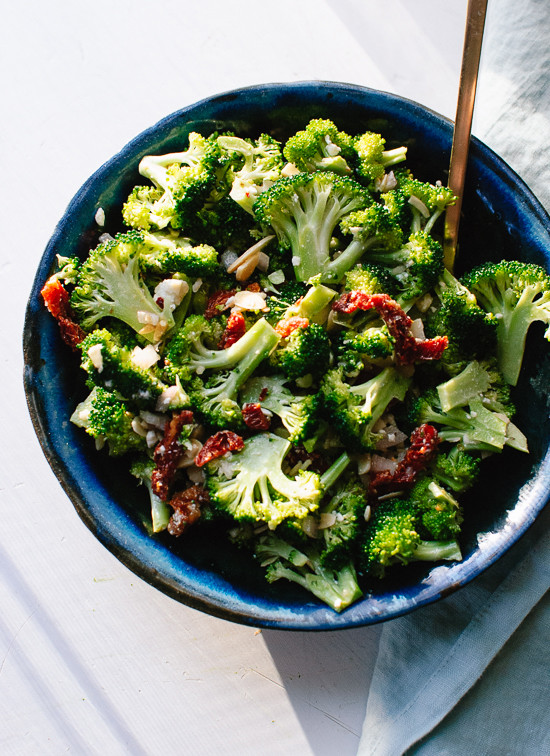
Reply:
x=144, y=357
x=171, y=291
x=96, y=357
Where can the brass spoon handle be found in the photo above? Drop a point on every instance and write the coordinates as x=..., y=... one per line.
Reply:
x=475, y=22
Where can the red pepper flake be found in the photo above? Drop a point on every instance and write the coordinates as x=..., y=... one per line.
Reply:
x=235, y=328
x=217, y=445
x=423, y=445
x=217, y=302
x=56, y=299
x=168, y=453
x=187, y=508
x=287, y=326
x=254, y=417
x=408, y=349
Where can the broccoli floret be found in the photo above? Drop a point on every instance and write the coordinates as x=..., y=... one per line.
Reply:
x=289, y=293
x=216, y=399
x=427, y=201
x=346, y=508
x=472, y=332
x=372, y=343
x=111, y=366
x=517, y=294
x=182, y=181
x=392, y=539
x=106, y=418
x=474, y=425
x=336, y=588
x=373, y=159
x=252, y=486
x=142, y=469
x=108, y=284
x=417, y=266
x=320, y=147
x=355, y=409
x=439, y=512
x=195, y=336
x=298, y=299
x=456, y=469
x=304, y=211
x=298, y=414
x=262, y=164
x=165, y=255
x=305, y=351
x=371, y=229
x=221, y=224
x=370, y=279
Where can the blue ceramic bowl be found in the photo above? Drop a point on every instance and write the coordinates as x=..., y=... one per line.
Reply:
x=501, y=218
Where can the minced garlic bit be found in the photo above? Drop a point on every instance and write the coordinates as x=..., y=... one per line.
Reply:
x=100, y=216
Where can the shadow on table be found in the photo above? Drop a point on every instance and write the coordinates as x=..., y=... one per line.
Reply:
x=327, y=672
x=45, y=689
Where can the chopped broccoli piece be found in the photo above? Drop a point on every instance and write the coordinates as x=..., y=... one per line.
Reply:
x=108, y=284
x=373, y=159
x=165, y=255
x=355, y=409
x=304, y=210
x=262, y=164
x=439, y=512
x=517, y=294
x=298, y=414
x=252, y=486
x=392, y=539
x=111, y=367
x=216, y=399
x=106, y=418
x=305, y=351
x=142, y=469
x=346, y=508
x=457, y=469
x=320, y=147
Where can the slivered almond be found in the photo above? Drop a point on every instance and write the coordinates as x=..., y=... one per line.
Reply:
x=250, y=252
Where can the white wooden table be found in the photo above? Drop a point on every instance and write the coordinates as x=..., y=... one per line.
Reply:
x=93, y=660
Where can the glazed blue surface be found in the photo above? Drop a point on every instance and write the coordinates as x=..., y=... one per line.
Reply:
x=501, y=218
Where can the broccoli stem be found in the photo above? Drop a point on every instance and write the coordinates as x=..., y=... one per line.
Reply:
x=255, y=344
x=435, y=551
x=330, y=476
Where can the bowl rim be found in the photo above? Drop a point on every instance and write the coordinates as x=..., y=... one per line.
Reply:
x=128, y=553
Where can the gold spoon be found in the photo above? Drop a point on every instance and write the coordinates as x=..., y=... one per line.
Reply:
x=475, y=22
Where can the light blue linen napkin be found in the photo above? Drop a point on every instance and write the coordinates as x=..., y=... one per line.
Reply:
x=470, y=674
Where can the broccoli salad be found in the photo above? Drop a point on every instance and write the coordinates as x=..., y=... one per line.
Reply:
x=274, y=347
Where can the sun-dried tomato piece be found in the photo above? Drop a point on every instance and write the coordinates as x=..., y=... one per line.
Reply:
x=217, y=445
x=408, y=349
x=71, y=333
x=423, y=445
x=254, y=417
x=56, y=299
x=235, y=328
x=217, y=302
x=168, y=453
x=287, y=326
x=187, y=507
